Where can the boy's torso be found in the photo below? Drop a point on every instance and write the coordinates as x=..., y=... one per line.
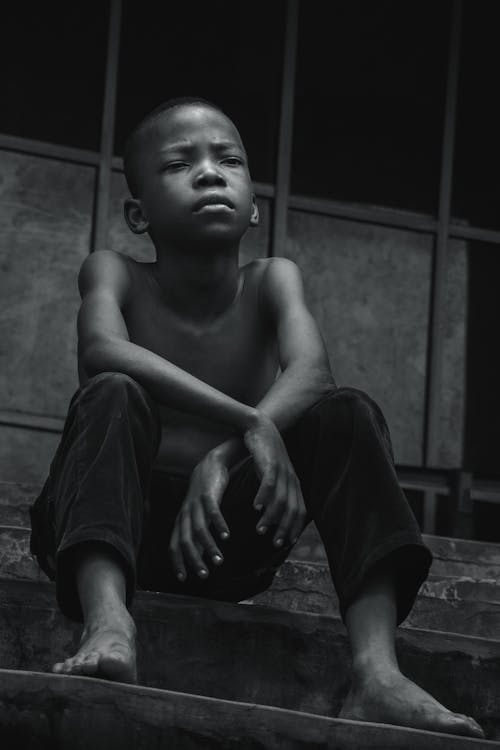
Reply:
x=237, y=354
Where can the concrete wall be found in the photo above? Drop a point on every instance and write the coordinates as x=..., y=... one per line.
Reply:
x=45, y=214
x=367, y=286
x=369, y=289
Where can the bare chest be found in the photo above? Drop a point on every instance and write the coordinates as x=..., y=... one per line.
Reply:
x=235, y=353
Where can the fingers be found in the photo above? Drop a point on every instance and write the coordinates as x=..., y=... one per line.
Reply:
x=192, y=538
x=189, y=548
x=285, y=509
x=201, y=534
x=266, y=490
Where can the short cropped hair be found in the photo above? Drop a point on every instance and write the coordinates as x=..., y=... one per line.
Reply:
x=133, y=140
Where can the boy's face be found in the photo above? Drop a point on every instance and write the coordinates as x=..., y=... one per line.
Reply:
x=194, y=180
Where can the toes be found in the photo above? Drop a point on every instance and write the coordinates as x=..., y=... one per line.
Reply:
x=79, y=664
x=474, y=728
x=462, y=724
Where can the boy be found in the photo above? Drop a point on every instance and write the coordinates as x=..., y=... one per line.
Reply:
x=186, y=464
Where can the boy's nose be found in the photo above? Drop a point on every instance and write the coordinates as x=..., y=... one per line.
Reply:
x=209, y=175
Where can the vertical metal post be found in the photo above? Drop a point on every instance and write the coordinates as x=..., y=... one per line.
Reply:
x=103, y=182
x=435, y=363
x=279, y=228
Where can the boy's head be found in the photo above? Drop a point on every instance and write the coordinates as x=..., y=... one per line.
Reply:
x=187, y=170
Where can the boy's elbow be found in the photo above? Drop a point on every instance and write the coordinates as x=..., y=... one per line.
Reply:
x=97, y=357
x=324, y=379
x=317, y=374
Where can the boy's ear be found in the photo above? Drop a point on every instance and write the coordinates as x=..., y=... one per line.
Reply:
x=254, y=218
x=134, y=216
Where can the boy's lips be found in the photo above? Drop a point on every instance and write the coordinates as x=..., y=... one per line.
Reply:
x=213, y=199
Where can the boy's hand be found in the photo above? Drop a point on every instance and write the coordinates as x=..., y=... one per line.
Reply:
x=200, y=510
x=279, y=492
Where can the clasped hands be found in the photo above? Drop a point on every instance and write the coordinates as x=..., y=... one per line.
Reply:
x=200, y=523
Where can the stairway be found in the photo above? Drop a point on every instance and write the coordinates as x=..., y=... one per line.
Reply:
x=267, y=673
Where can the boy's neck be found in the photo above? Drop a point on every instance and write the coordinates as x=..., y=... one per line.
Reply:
x=198, y=286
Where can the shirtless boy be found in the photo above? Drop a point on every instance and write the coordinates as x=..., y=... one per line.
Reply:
x=208, y=431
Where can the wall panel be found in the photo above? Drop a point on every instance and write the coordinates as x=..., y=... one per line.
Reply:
x=25, y=455
x=368, y=287
x=45, y=213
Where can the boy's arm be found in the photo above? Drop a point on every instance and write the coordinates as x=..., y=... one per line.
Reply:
x=305, y=377
x=305, y=369
x=104, y=346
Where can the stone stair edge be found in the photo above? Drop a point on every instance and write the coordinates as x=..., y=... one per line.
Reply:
x=317, y=728
x=151, y=603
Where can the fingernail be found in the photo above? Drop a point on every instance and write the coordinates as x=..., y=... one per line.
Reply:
x=224, y=535
x=202, y=573
x=262, y=529
x=181, y=576
x=258, y=507
x=217, y=559
x=278, y=542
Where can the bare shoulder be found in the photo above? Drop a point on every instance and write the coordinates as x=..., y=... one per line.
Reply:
x=282, y=285
x=274, y=270
x=105, y=270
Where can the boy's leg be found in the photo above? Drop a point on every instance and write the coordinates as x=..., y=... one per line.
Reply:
x=342, y=454
x=87, y=524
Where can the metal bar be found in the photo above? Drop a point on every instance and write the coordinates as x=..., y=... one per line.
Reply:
x=283, y=167
x=31, y=421
x=435, y=358
x=429, y=514
x=474, y=233
x=370, y=214
x=103, y=183
x=49, y=150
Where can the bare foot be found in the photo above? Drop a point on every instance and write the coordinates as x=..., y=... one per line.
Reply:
x=107, y=649
x=394, y=699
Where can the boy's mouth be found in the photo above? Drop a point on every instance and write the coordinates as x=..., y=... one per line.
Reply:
x=213, y=201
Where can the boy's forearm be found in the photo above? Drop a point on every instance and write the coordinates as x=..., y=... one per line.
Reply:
x=298, y=388
x=167, y=383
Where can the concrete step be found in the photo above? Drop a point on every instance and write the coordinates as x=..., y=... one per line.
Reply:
x=15, y=499
x=452, y=557
x=86, y=712
x=298, y=661
x=453, y=604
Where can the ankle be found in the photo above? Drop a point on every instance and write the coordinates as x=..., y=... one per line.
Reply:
x=374, y=666
x=110, y=616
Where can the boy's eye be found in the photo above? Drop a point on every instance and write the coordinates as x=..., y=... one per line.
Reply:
x=174, y=166
x=233, y=160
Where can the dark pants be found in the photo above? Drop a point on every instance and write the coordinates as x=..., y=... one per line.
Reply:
x=102, y=488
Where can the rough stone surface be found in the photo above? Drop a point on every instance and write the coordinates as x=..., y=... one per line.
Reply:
x=458, y=605
x=43, y=710
x=16, y=560
x=253, y=654
x=455, y=557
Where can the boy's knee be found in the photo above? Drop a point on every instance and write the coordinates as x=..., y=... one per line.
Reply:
x=115, y=385
x=113, y=391
x=347, y=410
